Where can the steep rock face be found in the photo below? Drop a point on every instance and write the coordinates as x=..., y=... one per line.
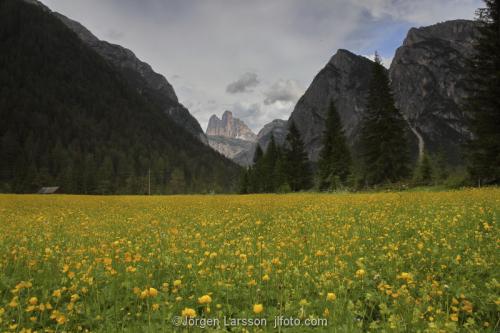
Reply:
x=153, y=86
x=345, y=80
x=428, y=78
x=230, y=136
x=229, y=127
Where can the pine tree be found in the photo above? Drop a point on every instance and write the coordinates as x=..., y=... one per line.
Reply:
x=441, y=171
x=255, y=173
x=280, y=173
x=335, y=158
x=105, y=176
x=425, y=171
x=258, y=154
x=270, y=160
x=177, y=182
x=484, y=104
x=245, y=182
x=298, y=170
x=383, y=138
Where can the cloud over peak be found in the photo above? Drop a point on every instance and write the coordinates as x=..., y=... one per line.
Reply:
x=243, y=84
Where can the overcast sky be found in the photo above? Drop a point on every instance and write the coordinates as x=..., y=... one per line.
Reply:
x=253, y=57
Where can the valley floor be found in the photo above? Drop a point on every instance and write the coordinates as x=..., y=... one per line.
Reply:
x=393, y=262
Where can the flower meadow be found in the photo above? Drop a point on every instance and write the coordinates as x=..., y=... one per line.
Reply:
x=391, y=262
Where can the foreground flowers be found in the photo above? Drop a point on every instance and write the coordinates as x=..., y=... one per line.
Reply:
x=366, y=262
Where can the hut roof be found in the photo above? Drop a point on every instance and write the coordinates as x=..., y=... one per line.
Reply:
x=48, y=190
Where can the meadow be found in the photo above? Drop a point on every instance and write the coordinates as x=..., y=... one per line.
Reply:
x=392, y=262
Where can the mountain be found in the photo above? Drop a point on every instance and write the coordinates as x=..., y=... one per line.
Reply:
x=152, y=86
x=345, y=79
x=230, y=136
x=428, y=80
x=229, y=127
x=69, y=117
x=428, y=77
x=278, y=128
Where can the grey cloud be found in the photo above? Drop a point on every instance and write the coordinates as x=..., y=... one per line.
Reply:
x=283, y=91
x=250, y=113
x=243, y=84
x=256, y=115
x=419, y=12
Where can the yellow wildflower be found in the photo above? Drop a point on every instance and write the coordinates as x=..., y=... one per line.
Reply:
x=360, y=273
x=258, y=308
x=188, y=312
x=205, y=299
x=331, y=297
x=152, y=292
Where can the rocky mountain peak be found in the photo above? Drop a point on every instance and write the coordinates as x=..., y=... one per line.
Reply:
x=227, y=117
x=39, y=4
x=343, y=58
x=229, y=127
x=455, y=31
x=345, y=79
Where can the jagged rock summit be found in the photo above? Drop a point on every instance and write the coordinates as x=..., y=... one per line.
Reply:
x=230, y=136
x=229, y=127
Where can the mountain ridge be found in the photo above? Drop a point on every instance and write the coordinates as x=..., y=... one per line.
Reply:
x=152, y=85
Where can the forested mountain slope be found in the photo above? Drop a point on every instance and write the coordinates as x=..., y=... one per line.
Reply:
x=69, y=118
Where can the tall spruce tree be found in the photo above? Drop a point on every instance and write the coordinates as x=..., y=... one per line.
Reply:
x=270, y=161
x=335, y=157
x=484, y=104
x=383, y=139
x=255, y=173
x=298, y=169
x=424, y=171
x=244, y=181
